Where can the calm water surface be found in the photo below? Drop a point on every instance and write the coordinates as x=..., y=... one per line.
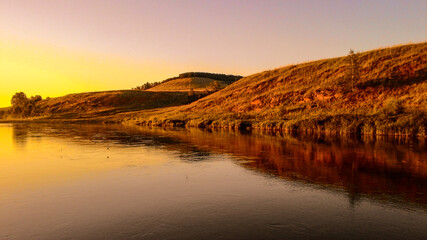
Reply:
x=116, y=182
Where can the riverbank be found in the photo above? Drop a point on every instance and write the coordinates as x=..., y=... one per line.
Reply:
x=411, y=126
x=378, y=92
x=404, y=125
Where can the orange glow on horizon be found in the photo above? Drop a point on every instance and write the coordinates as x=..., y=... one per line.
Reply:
x=53, y=48
x=40, y=69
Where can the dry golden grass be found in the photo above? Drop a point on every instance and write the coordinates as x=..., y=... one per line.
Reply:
x=390, y=97
x=185, y=84
x=322, y=83
x=95, y=104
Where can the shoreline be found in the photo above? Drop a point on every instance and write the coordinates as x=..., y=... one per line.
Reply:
x=269, y=127
x=387, y=97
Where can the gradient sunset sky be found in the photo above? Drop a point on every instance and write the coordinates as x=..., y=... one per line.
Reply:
x=55, y=47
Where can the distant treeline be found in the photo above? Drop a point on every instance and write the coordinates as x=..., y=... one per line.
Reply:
x=147, y=85
x=216, y=76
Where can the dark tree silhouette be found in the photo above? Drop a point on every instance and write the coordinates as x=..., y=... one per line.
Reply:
x=22, y=106
x=19, y=104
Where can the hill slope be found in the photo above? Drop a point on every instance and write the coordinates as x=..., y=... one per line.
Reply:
x=191, y=81
x=110, y=102
x=389, y=96
x=95, y=104
x=186, y=84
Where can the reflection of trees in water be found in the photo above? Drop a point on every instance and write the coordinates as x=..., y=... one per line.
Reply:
x=387, y=168
x=378, y=168
x=20, y=135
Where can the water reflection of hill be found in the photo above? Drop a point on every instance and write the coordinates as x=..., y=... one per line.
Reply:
x=389, y=170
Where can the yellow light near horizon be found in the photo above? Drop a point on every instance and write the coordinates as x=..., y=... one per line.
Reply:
x=33, y=70
x=38, y=69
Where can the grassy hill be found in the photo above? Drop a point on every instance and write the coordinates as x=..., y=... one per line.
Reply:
x=191, y=81
x=387, y=96
x=186, y=84
x=95, y=104
x=382, y=91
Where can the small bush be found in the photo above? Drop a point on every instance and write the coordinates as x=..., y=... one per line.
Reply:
x=392, y=107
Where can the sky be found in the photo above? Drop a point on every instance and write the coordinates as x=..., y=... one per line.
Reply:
x=55, y=47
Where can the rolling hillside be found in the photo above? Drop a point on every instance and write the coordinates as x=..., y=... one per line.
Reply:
x=186, y=84
x=382, y=91
x=96, y=104
x=110, y=102
x=388, y=95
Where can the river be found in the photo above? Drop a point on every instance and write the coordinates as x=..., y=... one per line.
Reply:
x=73, y=181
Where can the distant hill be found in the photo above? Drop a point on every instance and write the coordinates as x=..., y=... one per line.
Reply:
x=186, y=84
x=195, y=81
x=215, y=76
x=382, y=91
x=110, y=102
x=170, y=92
x=93, y=104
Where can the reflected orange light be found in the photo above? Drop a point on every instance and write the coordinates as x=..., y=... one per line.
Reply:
x=36, y=162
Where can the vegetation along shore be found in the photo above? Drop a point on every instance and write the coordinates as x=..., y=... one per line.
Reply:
x=381, y=92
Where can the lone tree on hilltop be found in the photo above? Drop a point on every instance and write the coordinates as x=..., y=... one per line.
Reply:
x=353, y=72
